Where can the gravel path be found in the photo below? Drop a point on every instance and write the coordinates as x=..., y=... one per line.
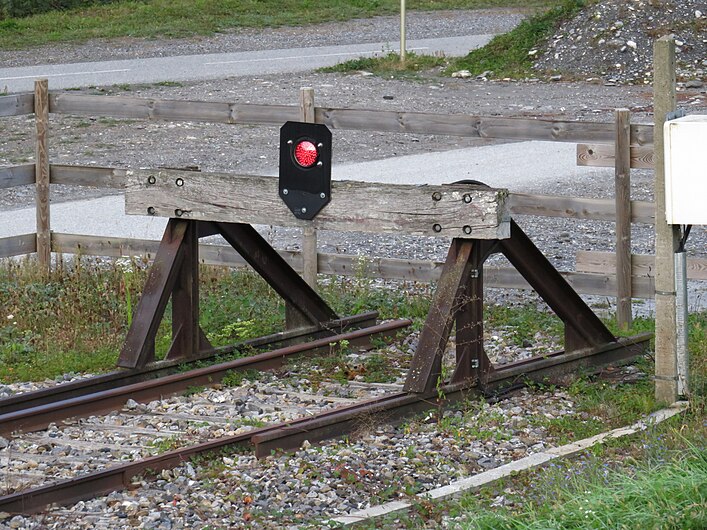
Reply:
x=420, y=25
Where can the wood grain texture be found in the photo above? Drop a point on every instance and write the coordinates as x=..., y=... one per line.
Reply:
x=355, y=206
x=350, y=119
x=12, y=176
x=577, y=207
x=622, y=187
x=41, y=112
x=309, y=233
x=602, y=155
x=16, y=104
x=96, y=177
x=588, y=280
x=642, y=265
x=18, y=245
x=175, y=110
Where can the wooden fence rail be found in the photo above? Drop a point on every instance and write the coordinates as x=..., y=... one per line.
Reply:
x=17, y=104
x=617, y=144
x=343, y=264
x=12, y=176
x=351, y=119
x=18, y=245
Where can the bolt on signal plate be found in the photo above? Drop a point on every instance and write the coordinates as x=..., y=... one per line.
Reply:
x=305, y=168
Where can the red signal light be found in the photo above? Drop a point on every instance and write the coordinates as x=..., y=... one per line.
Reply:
x=306, y=153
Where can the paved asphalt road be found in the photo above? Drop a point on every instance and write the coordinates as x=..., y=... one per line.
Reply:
x=217, y=66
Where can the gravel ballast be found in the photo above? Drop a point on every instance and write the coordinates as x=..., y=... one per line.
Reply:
x=380, y=462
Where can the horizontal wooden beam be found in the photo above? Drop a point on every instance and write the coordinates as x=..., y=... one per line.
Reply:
x=642, y=265
x=343, y=264
x=603, y=155
x=97, y=177
x=175, y=110
x=476, y=126
x=12, y=176
x=577, y=207
x=345, y=119
x=520, y=203
x=16, y=104
x=453, y=210
x=18, y=245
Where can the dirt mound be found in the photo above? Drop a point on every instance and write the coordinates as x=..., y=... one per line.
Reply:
x=613, y=39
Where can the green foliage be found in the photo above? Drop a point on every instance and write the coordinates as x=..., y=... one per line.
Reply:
x=183, y=18
x=25, y=8
x=507, y=54
x=390, y=65
x=234, y=378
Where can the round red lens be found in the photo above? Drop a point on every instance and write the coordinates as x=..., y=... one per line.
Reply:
x=306, y=153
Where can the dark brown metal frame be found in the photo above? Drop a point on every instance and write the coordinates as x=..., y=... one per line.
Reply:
x=175, y=273
x=458, y=299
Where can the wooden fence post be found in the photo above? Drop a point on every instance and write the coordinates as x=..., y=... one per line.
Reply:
x=309, y=234
x=41, y=112
x=666, y=236
x=622, y=180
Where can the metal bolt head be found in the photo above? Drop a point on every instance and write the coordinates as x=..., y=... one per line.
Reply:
x=467, y=229
x=151, y=210
x=467, y=198
x=285, y=191
x=322, y=195
x=437, y=227
x=179, y=182
x=436, y=196
x=289, y=142
x=320, y=145
x=151, y=179
x=178, y=212
x=304, y=210
x=320, y=164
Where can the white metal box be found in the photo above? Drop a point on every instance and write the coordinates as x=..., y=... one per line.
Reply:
x=686, y=170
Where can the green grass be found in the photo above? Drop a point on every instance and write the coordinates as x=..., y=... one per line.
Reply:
x=183, y=18
x=506, y=55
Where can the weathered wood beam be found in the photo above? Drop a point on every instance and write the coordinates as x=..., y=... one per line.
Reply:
x=641, y=264
x=602, y=155
x=17, y=104
x=459, y=210
x=18, y=245
x=12, y=176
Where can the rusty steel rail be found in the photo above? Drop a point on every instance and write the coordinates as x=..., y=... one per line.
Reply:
x=27, y=400
x=329, y=424
x=40, y=417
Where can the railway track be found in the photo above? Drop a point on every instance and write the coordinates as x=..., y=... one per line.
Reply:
x=105, y=453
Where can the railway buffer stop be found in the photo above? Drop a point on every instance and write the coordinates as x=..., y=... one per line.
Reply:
x=474, y=217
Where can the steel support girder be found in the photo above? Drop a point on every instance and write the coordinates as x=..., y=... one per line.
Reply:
x=139, y=345
x=266, y=261
x=582, y=327
x=472, y=361
x=426, y=366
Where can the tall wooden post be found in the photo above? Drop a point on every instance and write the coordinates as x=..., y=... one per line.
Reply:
x=309, y=235
x=622, y=179
x=666, y=236
x=41, y=112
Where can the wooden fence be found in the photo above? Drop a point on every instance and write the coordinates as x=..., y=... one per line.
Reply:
x=620, y=144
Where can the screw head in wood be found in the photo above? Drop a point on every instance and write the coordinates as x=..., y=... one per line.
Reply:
x=178, y=212
x=467, y=229
x=151, y=210
x=179, y=182
x=151, y=179
x=436, y=196
x=467, y=198
x=437, y=227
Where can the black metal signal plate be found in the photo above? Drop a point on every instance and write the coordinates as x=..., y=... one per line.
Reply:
x=305, y=190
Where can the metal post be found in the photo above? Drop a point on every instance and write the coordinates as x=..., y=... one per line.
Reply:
x=666, y=236
x=402, y=30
